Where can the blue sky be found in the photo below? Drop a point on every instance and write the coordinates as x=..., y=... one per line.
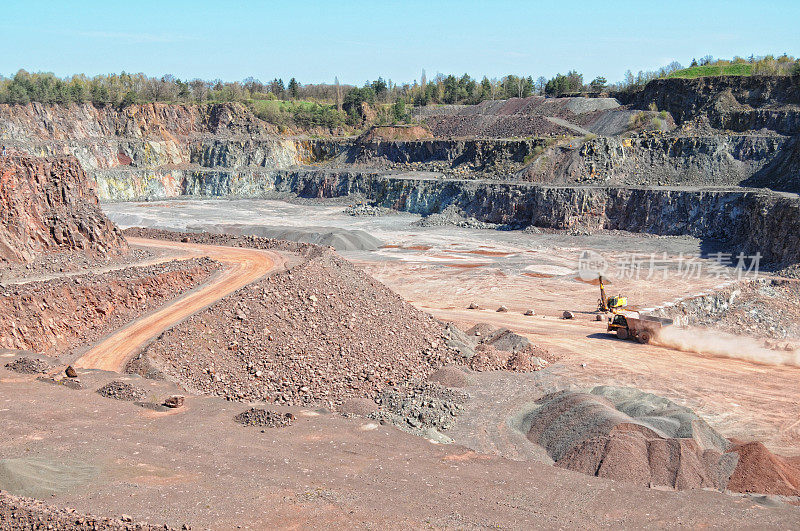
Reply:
x=359, y=40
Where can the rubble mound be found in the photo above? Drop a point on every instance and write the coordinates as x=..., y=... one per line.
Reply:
x=502, y=349
x=28, y=366
x=49, y=204
x=119, y=390
x=760, y=471
x=365, y=210
x=18, y=512
x=516, y=117
x=264, y=418
x=420, y=407
x=319, y=333
x=628, y=435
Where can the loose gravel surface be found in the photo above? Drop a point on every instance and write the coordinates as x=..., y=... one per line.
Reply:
x=420, y=407
x=120, y=390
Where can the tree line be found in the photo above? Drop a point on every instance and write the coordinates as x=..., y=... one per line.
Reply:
x=335, y=104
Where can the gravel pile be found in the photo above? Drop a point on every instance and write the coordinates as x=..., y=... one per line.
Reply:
x=28, y=366
x=453, y=216
x=762, y=308
x=18, y=513
x=760, y=471
x=319, y=333
x=423, y=406
x=264, y=418
x=120, y=390
x=501, y=349
x=628, y=435
x=515, y=117
x=364, y=210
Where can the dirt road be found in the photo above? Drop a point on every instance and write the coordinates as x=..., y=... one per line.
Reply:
x=243, y=266
x=741, y=399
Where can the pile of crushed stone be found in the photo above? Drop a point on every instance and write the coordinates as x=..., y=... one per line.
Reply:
x=488, y=348
x=628, y=435
x=365, y=210
x=761, y=471
x=17, y=512
x=264, y=418
x=119, y=390
x=28, y=366
x=319, y=333
x=453, y=216
x=421, y=407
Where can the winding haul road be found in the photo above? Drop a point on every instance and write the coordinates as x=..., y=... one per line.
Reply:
x=242, y=266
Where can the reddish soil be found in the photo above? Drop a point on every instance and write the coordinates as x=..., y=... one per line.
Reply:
x=763, y=472
x=58, y=315
x=196, y=465
x=465, y=266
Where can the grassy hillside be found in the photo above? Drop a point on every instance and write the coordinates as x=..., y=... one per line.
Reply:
x=740, y=69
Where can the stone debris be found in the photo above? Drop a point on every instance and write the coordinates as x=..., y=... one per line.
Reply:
x=120, y=390
x=529, y=312
x=28, y=366
x=502, y=309
x=318, y=334
x=567, y=315
x=421, y=406
x=70, y=372
x=18, y=513
x=264, y=418
x=175, y=401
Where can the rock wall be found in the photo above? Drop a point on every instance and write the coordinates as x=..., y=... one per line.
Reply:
x=750, y=220
x=733, y=103
x=49, y=204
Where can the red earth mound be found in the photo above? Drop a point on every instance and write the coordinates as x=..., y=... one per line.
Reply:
x=763, y=472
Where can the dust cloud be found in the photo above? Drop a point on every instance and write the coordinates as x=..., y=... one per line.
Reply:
x=714, y=343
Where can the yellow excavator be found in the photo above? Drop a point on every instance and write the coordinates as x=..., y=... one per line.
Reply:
x=610, y=304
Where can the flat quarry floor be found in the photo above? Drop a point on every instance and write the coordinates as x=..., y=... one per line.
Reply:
x=196, y=465
x=444, y=269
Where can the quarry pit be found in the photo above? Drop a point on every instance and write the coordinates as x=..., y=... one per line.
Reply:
x=410, y=306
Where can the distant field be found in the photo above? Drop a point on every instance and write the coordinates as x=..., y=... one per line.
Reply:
x=714, y=70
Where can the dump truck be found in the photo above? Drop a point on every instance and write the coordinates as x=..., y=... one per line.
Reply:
x=631, y=325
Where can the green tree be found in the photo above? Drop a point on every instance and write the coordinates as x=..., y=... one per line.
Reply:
x=294, y=88
x=598, y=83
x=399, y=111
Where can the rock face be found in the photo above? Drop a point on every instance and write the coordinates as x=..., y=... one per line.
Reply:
x=721, y=132
x=751, y=221
x=732, y=103
x=49, y=204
